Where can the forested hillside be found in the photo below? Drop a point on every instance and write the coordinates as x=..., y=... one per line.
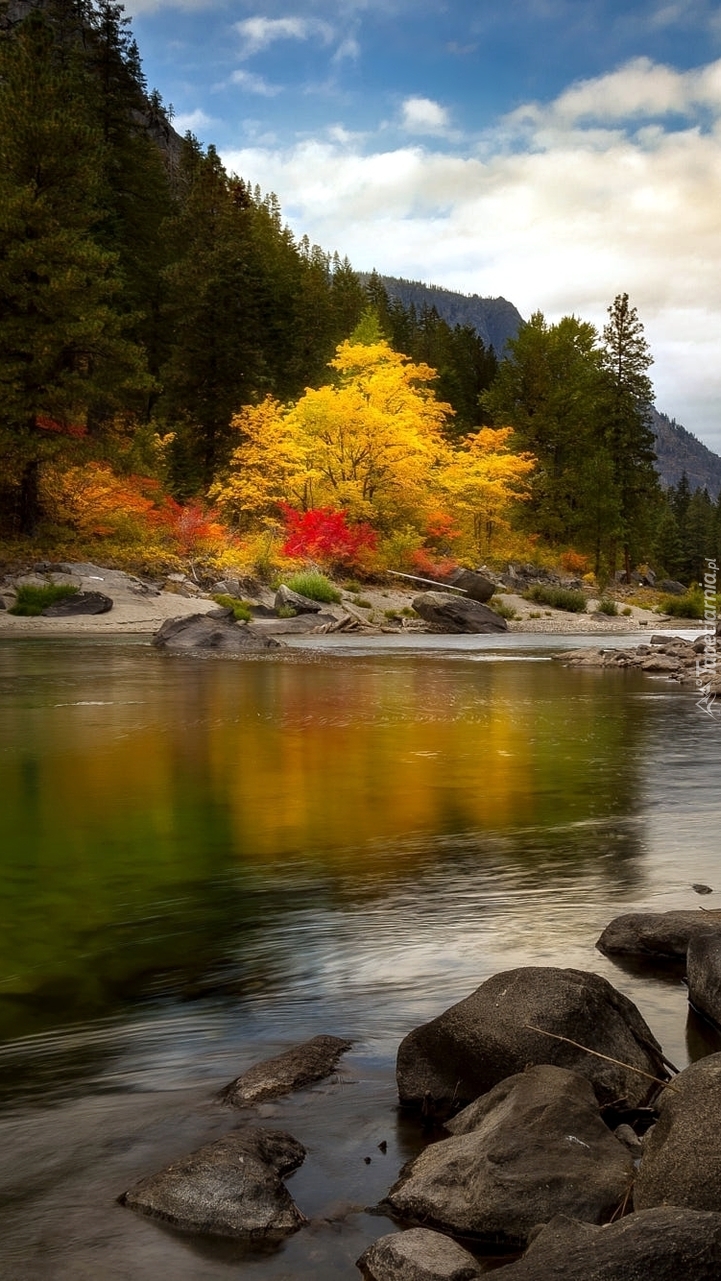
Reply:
x=181, y=377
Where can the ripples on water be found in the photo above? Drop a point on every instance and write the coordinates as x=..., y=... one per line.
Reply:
x=207, y=861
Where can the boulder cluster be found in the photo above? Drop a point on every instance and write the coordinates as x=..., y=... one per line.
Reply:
x=688, y=662
x=559, y=1133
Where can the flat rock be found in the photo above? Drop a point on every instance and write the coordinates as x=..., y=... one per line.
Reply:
x=294, y=1068
x=532, y=1147
x=216, y=631
x=230, y=1188
x=665, y=1244
x=446, y=1063
x=681, y=1162
x=703, y=971
x=285, y=598
x=80, y=603
x=417, y=1255
x=449, y=613
x=661, y=936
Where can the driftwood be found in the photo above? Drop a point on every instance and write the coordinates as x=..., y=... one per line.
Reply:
x=596, y=1053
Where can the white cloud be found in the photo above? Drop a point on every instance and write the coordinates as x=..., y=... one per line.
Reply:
x=563, y=223
x=258, y=33
x=195, y=121
x=424, y=116
x=252, y=83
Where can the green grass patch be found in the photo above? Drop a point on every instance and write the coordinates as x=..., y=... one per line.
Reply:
x=315, y=586
x=627, y=612
x=689, y=606
x=31, y=601
x=505, y=611
x=242, y=611
x=361, y=602
x=607, y=606
x=286, y=611
x=558, y=598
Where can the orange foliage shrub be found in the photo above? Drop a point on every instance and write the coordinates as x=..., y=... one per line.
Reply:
x=574, y=562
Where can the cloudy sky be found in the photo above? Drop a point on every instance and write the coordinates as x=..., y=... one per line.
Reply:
x=555, y=152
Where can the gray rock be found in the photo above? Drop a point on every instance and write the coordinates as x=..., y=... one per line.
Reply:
x=666, y=1244
x=671, y=587
x=661, y=936
x=80, y=603
x=301, y=1065
x=230, y=1188
x=534, y=1146
x=468, y=1049
x=287, y=599
x=417, y=1255
x=475, y=585
x=216, y=631
x=448, y=613
x=681, y=1162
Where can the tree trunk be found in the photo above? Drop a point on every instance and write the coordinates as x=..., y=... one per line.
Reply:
x=29, y=508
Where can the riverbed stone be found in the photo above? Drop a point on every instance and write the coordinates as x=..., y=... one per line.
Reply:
x=665, y=1244
x=659, y=936
x=681, y=1162
x=417, y=1255
x=231, y=1188
x=475, y=585
x=286, y=598
x=448, y=613
x=703, y=970
x=447, y=1063
x=216, y=632
x=295, y=1068
x=79, y=604
x=533, y=1146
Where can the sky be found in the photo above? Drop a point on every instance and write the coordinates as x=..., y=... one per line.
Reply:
x=553, y=152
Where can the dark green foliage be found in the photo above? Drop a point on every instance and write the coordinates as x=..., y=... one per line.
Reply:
x=689, y=606
x=607, y=606
x=31, y=600
x=558, y=598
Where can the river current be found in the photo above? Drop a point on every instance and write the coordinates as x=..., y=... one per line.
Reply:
x=206, y=861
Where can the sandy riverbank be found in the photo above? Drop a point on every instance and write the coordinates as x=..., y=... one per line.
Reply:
x=140, y=608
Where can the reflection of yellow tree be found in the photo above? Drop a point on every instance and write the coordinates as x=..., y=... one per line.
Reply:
x=371, y=443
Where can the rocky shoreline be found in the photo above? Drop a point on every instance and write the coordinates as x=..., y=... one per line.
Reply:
x=672, y=657
x=141, y=606
x=557, y=1133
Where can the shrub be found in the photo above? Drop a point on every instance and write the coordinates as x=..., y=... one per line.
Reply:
x=241, y=609
x=323, y=534
x=689, y=606
x=31, y=601
x=558, y=598
x=315, y=586
x=362, y=603
x=607, y=606
x=500, y=607
x=574, y=562
x=286, y=611
x=627, y=612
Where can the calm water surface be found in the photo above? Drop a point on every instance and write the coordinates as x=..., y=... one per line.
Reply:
x=203, y=862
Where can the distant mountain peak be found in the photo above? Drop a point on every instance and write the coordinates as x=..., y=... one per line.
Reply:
x=679, y=451
x=495, y=320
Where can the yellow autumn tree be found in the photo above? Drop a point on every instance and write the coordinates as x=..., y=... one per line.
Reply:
x=370, y=443
x=480, y=483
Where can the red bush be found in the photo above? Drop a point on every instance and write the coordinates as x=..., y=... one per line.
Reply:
x=324, y=535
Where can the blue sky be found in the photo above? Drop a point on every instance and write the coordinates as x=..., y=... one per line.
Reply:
x=556, y=152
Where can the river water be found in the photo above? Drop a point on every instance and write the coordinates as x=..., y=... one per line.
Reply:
x=205, y=861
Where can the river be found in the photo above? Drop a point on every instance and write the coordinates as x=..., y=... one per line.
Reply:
x=205, y=861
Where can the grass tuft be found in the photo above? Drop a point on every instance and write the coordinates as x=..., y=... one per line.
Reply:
x=689, y=606
x=31, y=601
x=315, y=586
x=607, y=606
x=558, y=597
x=241, y=609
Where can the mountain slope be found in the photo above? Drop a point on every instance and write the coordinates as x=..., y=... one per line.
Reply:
x=678, y=451
x=494, y=319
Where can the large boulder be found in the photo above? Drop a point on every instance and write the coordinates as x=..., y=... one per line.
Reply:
x=703, y=970
x=417, y=1255
x=230, y=1188
x=78, y=604
x=448, y=613
x=662, y=936
x=476, y=586
x=681, y=1162
x=534, y=1146
x=667, y=1244
x=299, y=1066
x=445, y=1064
x=216, y=632
x=286, y=598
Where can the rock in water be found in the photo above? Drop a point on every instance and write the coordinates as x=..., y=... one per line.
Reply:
x=703, y=969
x=301, y=1065
x=448, y=613
x=681, y=1162
x=667, y=1244
x=445, y=1064
x=417, y=1255
x=216, y=632
x=661, y=936
x=533, y=1147
x=80, y=603
x=230, y=1188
